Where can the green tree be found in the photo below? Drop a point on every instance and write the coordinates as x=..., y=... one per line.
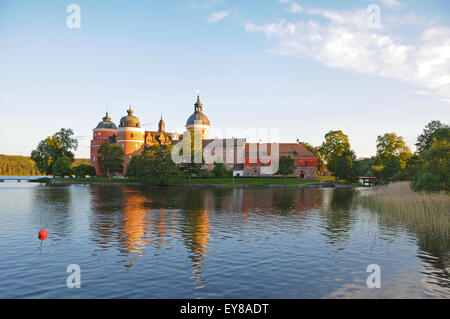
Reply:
x=425, y=140
x=62, y=166
x=434, y=164
x=286, y=166
x=132, y=166
x=83, y=170
x=156, y=165
x=190, y=168
x=336, y=143
x=343, y=166
x=389, y=145
x=363, y=166
x=220, y=170
x=53, y=147
x=110, y=159
x=391, y=170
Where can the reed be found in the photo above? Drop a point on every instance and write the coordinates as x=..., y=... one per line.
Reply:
x=398, y=203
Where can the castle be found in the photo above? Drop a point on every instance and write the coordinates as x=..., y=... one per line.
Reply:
x=240, y=155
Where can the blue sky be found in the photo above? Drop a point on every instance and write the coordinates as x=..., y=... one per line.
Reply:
x=303, y=67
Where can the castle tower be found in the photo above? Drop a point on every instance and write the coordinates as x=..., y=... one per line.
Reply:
x=161, y=125
x=104, y=132
x=198, y=120
x=130, y=136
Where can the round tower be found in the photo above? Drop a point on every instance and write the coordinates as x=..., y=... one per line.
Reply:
x=198, y=120
x=106, y=131
x=130, y=136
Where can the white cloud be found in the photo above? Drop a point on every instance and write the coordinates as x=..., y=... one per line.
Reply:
x=283, y=1
x=343, y=40
x=218, y=16
x=203, y=4
x=390, y=3
x=295, y=8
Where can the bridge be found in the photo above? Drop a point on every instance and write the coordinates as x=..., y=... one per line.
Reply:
x=367, y=181
x=19, y=179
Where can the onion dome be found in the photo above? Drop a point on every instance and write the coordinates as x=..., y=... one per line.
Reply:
x=106, y=123
x=129, y=120
x=198, y=117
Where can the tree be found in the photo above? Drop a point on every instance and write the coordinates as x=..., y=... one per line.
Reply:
x=53, y=147
x=220, y=170
x=156, y=165
x=343, y=166
x=391, y=170
x=62, y=168
x=83, y=170
x=390, y=145
x=363, y=166
x=132, y=166
x=425, y=140
x=190, y=168
x=336, y=143
x=286, y=166
x=110, y=159
x=434, y=163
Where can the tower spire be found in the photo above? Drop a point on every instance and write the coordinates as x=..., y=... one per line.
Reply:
x=161, y=125
x=198, y=104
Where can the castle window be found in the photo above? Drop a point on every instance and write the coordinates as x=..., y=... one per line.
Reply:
x=306, y=163
x=132, y=135
x=123, y=145
x=137, y=145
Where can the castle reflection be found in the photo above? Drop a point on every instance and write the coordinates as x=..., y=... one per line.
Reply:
x=142, y=220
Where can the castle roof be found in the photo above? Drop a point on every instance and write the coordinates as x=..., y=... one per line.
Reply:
x=284, y=149
x=129, y=120
x=198, y=117
x=106, y=123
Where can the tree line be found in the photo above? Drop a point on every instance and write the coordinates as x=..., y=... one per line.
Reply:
x=428, y=168
x=17, y=165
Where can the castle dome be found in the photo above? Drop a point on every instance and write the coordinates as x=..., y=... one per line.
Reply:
x=198, y=117
x=106, y=123
x=129, y=120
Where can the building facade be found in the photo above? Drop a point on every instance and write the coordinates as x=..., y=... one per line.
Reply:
x=244, y=159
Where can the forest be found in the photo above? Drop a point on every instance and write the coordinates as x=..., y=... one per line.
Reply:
x=24, y=166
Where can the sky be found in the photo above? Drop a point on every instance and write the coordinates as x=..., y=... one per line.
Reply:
x=298, y=68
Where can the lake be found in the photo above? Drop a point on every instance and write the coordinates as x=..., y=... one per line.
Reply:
x=199, y=242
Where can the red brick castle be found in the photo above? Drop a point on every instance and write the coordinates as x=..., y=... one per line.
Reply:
x=241, y=157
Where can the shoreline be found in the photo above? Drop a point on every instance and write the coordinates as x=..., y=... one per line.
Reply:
x=318, y=184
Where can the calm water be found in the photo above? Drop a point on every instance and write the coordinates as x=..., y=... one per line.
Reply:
x=136, y=242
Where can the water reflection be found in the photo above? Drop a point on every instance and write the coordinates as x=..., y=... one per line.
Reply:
x=55, y=206
x=336, y=211
x=151, y=220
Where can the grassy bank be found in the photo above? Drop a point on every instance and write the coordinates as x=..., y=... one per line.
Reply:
x=249, y=181
x=397, y=202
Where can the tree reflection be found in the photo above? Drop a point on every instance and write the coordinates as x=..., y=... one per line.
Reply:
x=54, y=204
x=336, y=212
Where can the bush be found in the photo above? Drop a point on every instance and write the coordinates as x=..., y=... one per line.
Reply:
x=83, y=170
x=62, y=167
x=220, y=170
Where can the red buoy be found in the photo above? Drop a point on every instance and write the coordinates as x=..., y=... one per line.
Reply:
x=43, y=234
